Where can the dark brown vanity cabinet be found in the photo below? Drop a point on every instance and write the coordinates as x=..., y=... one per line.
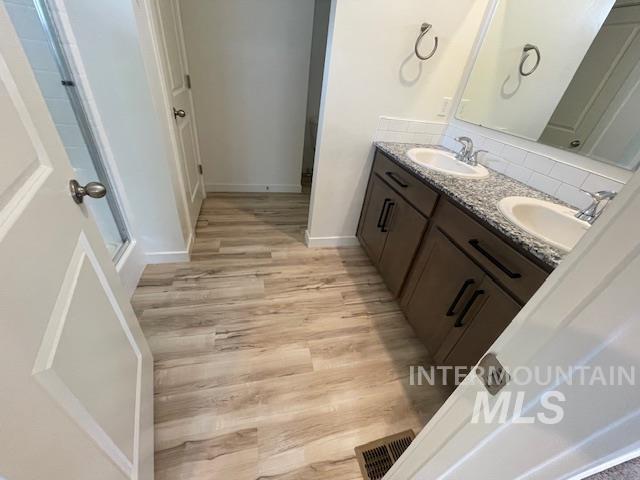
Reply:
x=390, y=231
x=460, y=284
x=445, y=283
x=453, y=305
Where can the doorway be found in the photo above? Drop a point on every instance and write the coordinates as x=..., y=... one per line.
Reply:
x=254, y=70
x=43, y=45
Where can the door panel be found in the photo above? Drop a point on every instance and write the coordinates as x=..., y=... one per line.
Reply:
x=377, y=203
x=175, y=61
x=445, y=285
x=72, y=355
x=483, y=326
x=610, y=60
x=406, y=227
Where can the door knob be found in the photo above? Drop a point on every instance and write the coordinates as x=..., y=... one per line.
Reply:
x=179, y=113
x=91, y=189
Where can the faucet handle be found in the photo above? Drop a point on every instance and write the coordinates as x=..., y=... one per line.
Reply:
x=597, y=197
x=477, y=152
x=604, y=195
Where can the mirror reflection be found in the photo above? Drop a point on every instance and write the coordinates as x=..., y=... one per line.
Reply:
x=566, y=74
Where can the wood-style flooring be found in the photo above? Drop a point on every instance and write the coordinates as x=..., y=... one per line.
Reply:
x=272, y=360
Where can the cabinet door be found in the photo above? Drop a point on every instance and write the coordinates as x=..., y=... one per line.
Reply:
x=445, y=285
x=377, y=208
x=492, y=312
x=405, y=227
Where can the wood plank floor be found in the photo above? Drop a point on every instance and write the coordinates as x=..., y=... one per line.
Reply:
x=272, y=360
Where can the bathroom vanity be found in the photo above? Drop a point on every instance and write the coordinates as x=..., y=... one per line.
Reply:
x=461, y=271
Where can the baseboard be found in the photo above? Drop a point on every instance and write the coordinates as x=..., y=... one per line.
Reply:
x=327, y=242
x=230, y=187
x=168, y=257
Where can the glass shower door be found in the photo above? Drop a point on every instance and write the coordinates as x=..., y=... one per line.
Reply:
x=34, y=24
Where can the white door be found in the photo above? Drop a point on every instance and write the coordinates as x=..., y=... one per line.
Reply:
x=602, y=74
x=178, y=84
x=76, y=396
x=585, y=321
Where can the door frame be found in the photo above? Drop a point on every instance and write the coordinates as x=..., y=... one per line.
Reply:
x=445, y=429
x=147, y=16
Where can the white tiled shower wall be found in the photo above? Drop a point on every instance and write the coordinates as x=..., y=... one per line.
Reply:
x=544, y=173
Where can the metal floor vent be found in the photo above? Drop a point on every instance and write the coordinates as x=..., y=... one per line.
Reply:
x=376, y=458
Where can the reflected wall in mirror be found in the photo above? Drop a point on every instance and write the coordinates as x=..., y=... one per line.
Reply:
x=563, y=73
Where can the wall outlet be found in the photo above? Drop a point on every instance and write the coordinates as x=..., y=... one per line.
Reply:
x=444, y=108
x=463, y=105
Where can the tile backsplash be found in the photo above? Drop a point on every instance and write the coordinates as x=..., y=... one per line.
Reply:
x=544, y=173
x=401, y=130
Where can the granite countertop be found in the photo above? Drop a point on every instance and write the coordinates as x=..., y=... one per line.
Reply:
x=480, y=198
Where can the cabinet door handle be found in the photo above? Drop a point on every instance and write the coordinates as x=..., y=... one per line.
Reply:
x=393, y=176
x=454, y=304
x=390, y=206
x=384, y=206
x=460, y=321
x=476, y=244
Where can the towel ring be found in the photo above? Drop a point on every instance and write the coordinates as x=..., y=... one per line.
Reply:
x=424, y=29
x=525, y=54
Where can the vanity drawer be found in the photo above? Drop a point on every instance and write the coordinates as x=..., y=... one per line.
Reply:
x=413, y=190
x=516, y=273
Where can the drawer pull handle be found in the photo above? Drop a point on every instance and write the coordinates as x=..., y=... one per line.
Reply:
x=384, y=206
x=476, y=244
x=451, y=312
x=397, y=179
x=460, y=321
x=390, y=206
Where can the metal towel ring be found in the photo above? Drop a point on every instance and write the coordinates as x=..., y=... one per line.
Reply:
x=424, y=29
x=525, y=54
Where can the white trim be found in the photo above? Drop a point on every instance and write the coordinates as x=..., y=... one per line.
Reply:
x=168, y=257
x=248, y=188
x=327, y=242
x=130, y=267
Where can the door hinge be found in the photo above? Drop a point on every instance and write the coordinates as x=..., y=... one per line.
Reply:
x=187, y=79
x=68, y=83
x=200, y=169
x=492, y=373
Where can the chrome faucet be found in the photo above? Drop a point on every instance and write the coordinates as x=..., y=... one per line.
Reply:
x=467, y=149
x=593, y=211
x=467, y=155
x=473, y=158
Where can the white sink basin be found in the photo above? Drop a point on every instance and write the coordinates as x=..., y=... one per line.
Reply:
x=445, y=162
x=549, y=222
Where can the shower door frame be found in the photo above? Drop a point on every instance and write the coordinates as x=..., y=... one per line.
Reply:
x=63, y=63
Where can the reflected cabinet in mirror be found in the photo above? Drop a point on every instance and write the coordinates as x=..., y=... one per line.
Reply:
x=563, y=73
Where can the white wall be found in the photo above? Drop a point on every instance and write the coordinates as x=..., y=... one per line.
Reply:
x=249, y=62
x=371, y=71
x=318, y=54
x=497, y=96
x=103, y=39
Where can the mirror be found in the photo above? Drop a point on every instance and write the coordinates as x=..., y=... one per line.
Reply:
x=563, y=73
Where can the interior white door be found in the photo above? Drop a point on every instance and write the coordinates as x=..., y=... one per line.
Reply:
x=76, y=396
x=179, y=89
x=583, y=321
x=602, y=74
